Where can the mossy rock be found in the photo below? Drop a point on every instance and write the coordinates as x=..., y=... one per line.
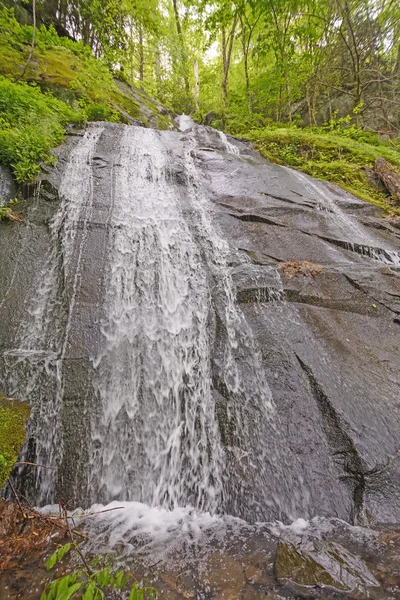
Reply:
x=335, y=158
x=13, y=418
x=323, y=564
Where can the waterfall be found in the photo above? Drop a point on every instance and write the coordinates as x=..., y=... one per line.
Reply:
x=208, y=343
x=172, y=407
x=362, y=241
x=157, y=437
x=42, y=340
x=146, y=380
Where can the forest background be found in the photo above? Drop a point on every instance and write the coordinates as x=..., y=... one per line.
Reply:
x=314, y=84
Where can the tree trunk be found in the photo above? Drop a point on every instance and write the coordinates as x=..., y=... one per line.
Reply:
x=196, y=83
x=183, y=53
x=246, y=66
x=158, y=73
x=32, y=43
x=389, y=176
x=226, y=59
x=141, y=55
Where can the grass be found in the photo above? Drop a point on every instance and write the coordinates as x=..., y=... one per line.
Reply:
x=328, y=155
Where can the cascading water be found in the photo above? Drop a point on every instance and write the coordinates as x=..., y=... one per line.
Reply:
x=362, y=241
x=171, y=422
x=173, y=370
x=43, y=338
x=158, y=437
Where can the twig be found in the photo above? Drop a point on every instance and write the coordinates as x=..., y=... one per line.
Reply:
x=100, y=512
x=55, y=521
x=83, y=559
x=35, y=465
x=32, y=44
x=16, y=497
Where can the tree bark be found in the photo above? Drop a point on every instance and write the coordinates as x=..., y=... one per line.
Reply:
x=32, y=43
x=141, y=55
x=158, y=73
x=246, y=65
x=180, y=36
x=389, y=176
x=196, y=83
x=226, y=59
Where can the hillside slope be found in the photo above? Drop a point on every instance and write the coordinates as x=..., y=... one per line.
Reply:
x=62, y=83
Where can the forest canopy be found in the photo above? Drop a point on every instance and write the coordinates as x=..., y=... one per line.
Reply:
x=301, y=61
x=314, y=84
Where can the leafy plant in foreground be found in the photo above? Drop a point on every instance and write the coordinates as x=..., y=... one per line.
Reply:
x=91, y=581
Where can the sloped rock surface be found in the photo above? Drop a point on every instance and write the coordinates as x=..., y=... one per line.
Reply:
x=327, y=335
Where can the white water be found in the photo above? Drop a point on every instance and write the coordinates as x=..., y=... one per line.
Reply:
x=230, y=148
x=157, y=439
x=184, y=122
x=42, y=344
x=363, y=242
x=158, y=436
x=180, y=438
x=176, y=428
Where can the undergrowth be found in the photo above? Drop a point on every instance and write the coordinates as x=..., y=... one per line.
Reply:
x=31, y=123
x=13, y=416
x=33, y=115
x=338, y=152
x=91, y=580
x=63, y=83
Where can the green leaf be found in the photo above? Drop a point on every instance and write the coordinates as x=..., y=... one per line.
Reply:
x=104, y=578
x=136, y=593
x=52, y=593
x=51, y=561
x=66, y=594
x=63, y=584
x=90, y=591
x=133, y=595
x=63, y=551
x=121, y=579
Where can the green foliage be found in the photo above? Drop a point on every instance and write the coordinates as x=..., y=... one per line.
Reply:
x=95, y=111
x=13, y=416
x=92, y=581
x=31, y=123
x=5, y=215
x=67, y=85
x=327, y=154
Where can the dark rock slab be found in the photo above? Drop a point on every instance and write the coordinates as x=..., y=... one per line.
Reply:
x=328, y=343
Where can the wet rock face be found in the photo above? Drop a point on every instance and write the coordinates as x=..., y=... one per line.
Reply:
x=331, y=348
x=294, y=283
x=7, y=185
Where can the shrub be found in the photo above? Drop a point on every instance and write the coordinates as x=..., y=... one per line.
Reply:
x=32, y=123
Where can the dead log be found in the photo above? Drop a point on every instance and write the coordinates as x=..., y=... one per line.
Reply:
x=389, y=176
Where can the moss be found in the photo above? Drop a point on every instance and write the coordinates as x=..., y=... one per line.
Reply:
x=293, y=565
x=75, y=87
x=336, y=158
x=13, y=417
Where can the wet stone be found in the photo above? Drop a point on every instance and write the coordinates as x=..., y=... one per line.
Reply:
x=324, y=564
x=171, y=362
